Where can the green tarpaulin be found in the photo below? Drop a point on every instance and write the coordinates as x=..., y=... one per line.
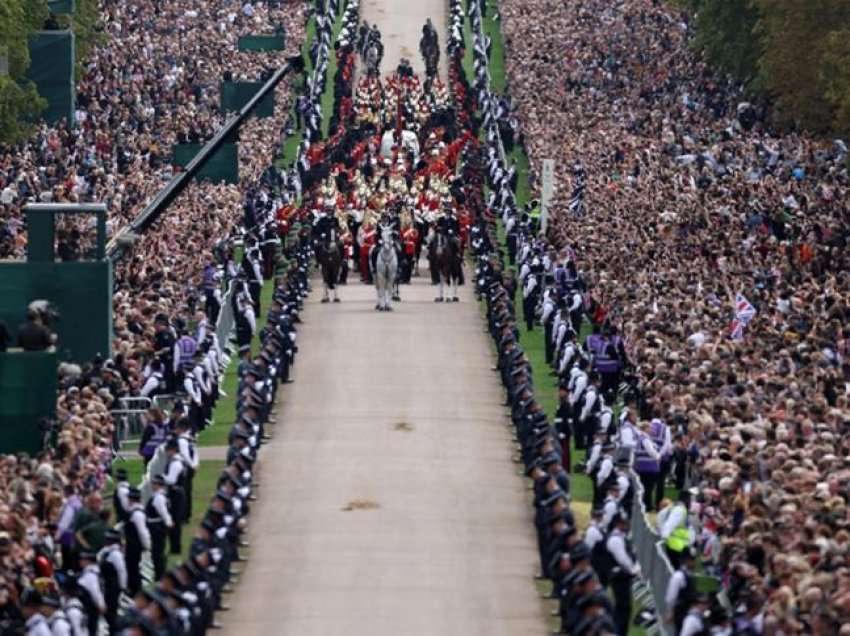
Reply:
x=234, y=95
x=222, y=167
x=262, y=43
x=52, y=71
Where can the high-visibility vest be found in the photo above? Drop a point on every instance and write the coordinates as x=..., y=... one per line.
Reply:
x=680, y=538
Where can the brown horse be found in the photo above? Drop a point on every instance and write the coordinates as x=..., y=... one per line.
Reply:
x=445, y=260
x=330, y=258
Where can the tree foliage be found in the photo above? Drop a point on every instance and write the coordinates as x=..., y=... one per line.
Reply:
x=725, y=32
x=19, y=103
x=19, y=18
x=19, y=100
x=796, y=52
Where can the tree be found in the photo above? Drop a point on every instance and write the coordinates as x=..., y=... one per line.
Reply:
x=18, y=106
x=725, y=33
x=796, y=35
x=835, y=75
x=19, y=101
x=19, y=18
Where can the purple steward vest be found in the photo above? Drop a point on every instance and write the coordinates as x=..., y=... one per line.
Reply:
x=644, y=462
x=186, y=347
x=657, y=433
x=596, y=344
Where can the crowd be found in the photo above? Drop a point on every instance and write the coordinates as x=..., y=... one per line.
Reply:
x=711, y=255
x=56, y=532
x=151, y=82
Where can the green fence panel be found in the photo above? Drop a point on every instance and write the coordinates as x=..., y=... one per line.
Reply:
x=61, y=7
x=262, y=43
x=81, y=293
x=41, y=232
x=28, y=385
x=234, y=96
x=52, y=71
x=222, y=167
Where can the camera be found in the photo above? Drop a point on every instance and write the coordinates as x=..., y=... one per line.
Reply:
x=46, y=311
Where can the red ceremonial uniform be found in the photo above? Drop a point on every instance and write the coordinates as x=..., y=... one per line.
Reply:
x=369, y=239
x=410, y=236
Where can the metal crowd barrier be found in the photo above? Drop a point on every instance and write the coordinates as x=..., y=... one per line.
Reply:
x=226, y=322
x=656, y=570
x=128, y=418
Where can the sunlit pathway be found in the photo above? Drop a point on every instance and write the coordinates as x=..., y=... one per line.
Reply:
x=400, y=23
x=388, y=502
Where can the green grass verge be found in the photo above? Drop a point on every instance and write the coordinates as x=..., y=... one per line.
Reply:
x=493, y=30
x=498, y=79
x=203, y=488
x=291, y=144
x=328, y=92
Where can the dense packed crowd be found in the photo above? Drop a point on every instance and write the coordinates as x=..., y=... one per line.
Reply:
x=153, y=81
x=716, y=249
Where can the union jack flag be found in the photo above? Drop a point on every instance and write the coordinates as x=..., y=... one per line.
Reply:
x=744, y=313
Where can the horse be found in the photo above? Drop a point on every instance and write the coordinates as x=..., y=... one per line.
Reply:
x=444, y=259
x=385, y=270
x=330, y=258
x=421, y=232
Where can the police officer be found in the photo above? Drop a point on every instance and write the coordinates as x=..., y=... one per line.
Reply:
x=71, y=605
x=91, y=593
x=160, y=522
x=137, y=540
x=577, y=386
x=188, y=453
x=681, y=592
x=31, y=603
x=531, y=292
x=695, y=623
x=113, y=572
x=56, y=618
x=563, y=424
x=588, y=406
x=624, y=569
x=120, y=501
x=174, y=479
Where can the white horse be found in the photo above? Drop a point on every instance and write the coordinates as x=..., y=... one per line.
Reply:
x=386, y=269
